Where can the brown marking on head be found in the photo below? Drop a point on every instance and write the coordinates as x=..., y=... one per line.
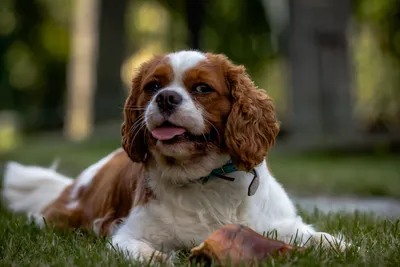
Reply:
x=206, y=148
x=216, y=105
x=251, y=126
x=240, y=119
x=133, y=129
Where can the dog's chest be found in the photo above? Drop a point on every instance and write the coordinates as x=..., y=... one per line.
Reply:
x=184, y=219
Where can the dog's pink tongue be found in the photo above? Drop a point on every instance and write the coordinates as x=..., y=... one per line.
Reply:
x=167, y=133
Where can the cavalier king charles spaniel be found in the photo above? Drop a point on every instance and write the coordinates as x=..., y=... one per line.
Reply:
x=195, y=136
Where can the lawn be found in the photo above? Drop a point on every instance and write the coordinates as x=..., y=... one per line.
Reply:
x=22, y=244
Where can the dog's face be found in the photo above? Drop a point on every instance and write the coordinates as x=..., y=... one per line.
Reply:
x=189, y=109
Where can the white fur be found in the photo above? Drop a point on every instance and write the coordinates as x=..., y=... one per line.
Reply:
x=87, y=175
x=182, y=216
x=31, y=188
x=187, y=114
x=183, y=60
x=73, y=204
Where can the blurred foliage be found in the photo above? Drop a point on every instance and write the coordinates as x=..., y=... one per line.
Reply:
x=376, y=47
x=239, y=29
x=34, y=44
x=384, y=16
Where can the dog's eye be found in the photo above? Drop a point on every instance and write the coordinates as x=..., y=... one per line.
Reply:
x=152, y=87
x=202, y=89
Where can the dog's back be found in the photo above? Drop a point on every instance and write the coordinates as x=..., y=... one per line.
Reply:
x=98, y=199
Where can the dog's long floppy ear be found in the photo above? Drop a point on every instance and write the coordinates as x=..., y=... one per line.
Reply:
x=251, y=126
x=133, y=128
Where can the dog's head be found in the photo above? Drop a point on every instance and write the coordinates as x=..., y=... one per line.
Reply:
x=189, y=112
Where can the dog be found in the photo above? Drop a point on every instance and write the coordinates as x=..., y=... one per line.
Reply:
x=195, y=139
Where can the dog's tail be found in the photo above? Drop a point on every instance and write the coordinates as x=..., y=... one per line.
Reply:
x=31, y=188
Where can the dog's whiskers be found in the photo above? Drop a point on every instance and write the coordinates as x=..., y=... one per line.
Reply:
x=138, y=126
x=136, y=123
x=133, y=108
x=139, y=129
x=215, y=128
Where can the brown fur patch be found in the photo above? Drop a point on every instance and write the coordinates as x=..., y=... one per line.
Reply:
x=117, y=187
x=133, y=132
x=216, y=105
x=251, y=127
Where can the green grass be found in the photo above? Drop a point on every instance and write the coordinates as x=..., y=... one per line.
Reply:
x=22, y=244
x=360, y=175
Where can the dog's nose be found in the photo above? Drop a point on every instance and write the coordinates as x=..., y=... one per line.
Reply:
x=168, y=100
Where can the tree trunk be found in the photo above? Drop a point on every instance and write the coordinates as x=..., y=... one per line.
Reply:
x=82, y=70
x=110, y=95
x=95, y=89
x=321, y=99
x=194, y=18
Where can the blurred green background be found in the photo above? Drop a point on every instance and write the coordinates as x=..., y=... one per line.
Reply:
x=331, y=66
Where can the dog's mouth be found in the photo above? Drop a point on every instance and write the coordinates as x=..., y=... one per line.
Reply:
x=169, y=133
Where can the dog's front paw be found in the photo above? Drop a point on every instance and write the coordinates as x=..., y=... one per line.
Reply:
x=328, y=241
x=36, y=219
x=138, y=250
x=158, y=258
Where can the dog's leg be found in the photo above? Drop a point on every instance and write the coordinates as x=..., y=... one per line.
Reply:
x=295, y=230
x=328, y=241
x=273, y=210
x=137, y=249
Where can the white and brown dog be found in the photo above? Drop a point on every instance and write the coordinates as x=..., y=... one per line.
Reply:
x=195, y=136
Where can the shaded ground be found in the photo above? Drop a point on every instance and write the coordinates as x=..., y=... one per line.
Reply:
x=340, y=175
x=380, y=206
